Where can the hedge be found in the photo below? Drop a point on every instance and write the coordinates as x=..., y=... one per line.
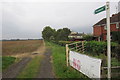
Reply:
x=62, y=43
x=96, y=47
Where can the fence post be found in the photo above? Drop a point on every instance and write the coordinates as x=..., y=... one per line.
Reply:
x=83, y=46
x=67, y=54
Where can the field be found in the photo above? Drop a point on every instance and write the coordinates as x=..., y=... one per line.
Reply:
x=19, y=47
x=14, y=51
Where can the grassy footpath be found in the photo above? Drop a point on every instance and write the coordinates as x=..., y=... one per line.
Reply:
x=59, y=63
x=7, y=61
x=32, y=68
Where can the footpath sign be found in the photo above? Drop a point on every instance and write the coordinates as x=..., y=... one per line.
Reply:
x=89, y=66
x=103, y=8
x=107, y=9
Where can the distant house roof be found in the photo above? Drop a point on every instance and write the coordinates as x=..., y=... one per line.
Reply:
x=114, y=18
x=76, y=34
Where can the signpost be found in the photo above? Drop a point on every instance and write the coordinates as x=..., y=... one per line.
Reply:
x=107, y=8
x=108, y=39
x=99, y=10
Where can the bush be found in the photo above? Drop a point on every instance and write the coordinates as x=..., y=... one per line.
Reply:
x=88, y=37
x=62, y=43
x=97, y=48
x=117, y=51
x=116, y=36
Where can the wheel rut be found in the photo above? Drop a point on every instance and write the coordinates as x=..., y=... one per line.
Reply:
x=16, y=68
x=46, y=70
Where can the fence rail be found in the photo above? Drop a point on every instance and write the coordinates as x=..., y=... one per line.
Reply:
x=77, y=46
x=114, y=67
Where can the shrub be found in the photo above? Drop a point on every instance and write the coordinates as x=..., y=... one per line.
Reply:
x=117, y=51
x=88, y=37
x=97, y=48
x=62, y=43
x=116, y=36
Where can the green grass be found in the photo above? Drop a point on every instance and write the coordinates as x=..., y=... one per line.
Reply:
x=59, y=63
x=32, y=68
x=7, y=61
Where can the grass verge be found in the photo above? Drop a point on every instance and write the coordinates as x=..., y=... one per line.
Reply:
x=7, y=61
x=59, y=63
x=32, y=68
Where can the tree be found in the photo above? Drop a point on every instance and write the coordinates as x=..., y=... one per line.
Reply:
x=62, y=34
x=66, y=33
x=48, y=33
x=51, y=34
x=88, y=37
x=58, y=35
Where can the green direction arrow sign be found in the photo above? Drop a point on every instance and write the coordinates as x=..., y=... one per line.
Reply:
x=99, y=10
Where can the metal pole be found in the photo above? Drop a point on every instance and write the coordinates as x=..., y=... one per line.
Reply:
x=108, y=40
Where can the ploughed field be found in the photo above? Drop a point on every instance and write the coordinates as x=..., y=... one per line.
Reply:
x=19, y=47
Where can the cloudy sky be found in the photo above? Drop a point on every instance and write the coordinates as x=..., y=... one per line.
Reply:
x=26, y=19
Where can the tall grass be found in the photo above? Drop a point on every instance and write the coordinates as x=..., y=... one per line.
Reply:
x=59, y=63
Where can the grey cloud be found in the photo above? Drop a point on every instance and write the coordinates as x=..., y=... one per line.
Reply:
x=27, y=20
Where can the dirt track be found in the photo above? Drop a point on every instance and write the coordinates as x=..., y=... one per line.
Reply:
x=15, y=69
x=46, y=70
x=45, y=67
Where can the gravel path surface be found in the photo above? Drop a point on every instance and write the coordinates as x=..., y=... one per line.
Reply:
x=15, y=69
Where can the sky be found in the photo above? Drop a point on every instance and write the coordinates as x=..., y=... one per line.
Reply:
x=26, y=19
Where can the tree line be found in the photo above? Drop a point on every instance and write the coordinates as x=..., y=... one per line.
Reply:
x=50, y=34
